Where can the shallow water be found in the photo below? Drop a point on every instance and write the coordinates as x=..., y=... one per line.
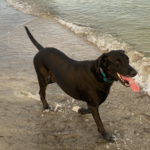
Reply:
x=127, y=21
x=10, y=18
x=108, y=25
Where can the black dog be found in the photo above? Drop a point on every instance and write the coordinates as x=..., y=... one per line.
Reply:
x=89, y=81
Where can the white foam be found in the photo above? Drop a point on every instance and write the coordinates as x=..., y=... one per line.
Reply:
x=36, y=97
x=46, y=110
x=20, y=5
x=57, y=106
x=104, y=41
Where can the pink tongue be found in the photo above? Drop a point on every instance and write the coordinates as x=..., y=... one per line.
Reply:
x=133, y=85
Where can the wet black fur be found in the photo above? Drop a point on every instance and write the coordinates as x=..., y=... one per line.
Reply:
x=81, y=80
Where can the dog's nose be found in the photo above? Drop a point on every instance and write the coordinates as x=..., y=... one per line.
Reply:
x=133, y=73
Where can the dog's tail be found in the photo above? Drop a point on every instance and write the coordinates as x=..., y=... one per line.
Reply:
x=37, y=45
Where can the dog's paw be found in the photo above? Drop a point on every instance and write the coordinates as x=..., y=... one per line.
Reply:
x=109, y=137
x=84, y=111
x=47, y=109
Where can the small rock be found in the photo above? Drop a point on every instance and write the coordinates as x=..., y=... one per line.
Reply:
x=86, y=120
x=76, y=108
x=46, y=110
x=57, y=106
x=107, y=147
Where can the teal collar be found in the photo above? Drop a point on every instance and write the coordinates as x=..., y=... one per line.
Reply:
x=108, y=80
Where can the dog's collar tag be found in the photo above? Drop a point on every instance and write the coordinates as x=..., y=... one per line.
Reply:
x=104, y=76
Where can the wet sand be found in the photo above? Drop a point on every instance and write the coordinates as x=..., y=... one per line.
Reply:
x=23, y=123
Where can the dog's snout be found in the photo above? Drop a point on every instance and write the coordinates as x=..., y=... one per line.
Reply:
x=133, y=73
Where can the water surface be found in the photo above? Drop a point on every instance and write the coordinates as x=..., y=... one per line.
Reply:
x=128, y=21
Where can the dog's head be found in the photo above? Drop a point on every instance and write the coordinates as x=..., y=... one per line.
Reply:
x=116, y=66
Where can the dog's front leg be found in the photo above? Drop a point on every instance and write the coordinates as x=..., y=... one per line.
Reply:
x=96, y=116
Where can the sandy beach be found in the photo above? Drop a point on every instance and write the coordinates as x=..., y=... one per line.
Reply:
x=24, y=125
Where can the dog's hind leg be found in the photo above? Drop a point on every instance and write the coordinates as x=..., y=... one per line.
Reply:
x=42, y=92
x=42, y=74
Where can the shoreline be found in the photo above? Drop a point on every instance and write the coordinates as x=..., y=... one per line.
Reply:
x=111, y=43
x=23, y=123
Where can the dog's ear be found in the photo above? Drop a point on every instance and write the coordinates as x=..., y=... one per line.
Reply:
x=122, y=51
x=101, y=60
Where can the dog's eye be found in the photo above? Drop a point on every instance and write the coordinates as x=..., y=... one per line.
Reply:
x=118, y=62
